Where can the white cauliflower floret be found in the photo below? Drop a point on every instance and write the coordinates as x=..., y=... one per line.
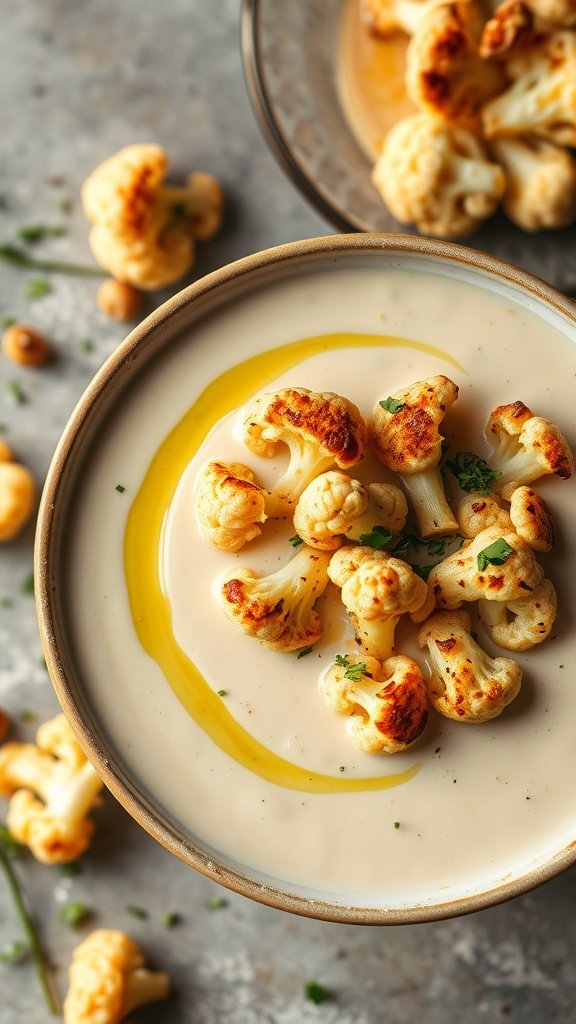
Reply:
x=525, y=447
x=376, y=591
x=17, y=495
x=527, y=514
x=335, y=507
x=229, y=505
x=386, y=703
x=108, y=979
x=479, y=512
x=540, y=182
x=319, y=430
x=466, y=683
x=407, y=439
x=558, y=12
x=542, y=97
x=279, y=609
x=437, y=175
x=496, y=565
x=144, y=232
x=387, y=17
x=521, y=624
x=444, y=72
x=56, y=826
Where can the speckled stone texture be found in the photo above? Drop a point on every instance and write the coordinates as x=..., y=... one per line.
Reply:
x=78, y=81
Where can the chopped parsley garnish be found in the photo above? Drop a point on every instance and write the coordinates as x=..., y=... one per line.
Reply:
x=73, y=914
x=222, y=693
x=87, y=345
x=65, y=206
x=392, y=405
x=37, y=288
x=304, y=652
x=6, y=602
x=12, y=951
x=316, y=993
x=70, y=870
x=20, y=258
x=216, y=903
x=120, y=488
x=27, y=586
x=378, y=538
x=32, y=233
x=7, y=321
x=138, y=912
x=472, y=472
x=494, y=554
x=353, y=672
x=396, y=824
x=15, y=393
x=342, y=768
x=170, y=919
x=423, y=571
x=28, y=716
x=295, y=541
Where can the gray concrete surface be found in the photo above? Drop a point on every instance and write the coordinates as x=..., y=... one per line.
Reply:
x=79, y=79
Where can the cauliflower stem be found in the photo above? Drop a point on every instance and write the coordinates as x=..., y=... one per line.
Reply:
x=426, y=492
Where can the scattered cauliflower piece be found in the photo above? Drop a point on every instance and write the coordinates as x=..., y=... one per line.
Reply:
x=466, y=683
x=540, y=182
x=335, y=507
x=386, y=512
x=496, y=565
x=444, y=72
x=56, y=827
x=144, y=232
x=387, y=17
x=479, y=512
x=387, y=703
x=510, y=28
x=17, y=495
x=229, y=505
x=376, y=591
x=558, y=12
x=521, y=624
x=279, y=609
x=527, y=514
x=525, y=447
x=542, y=97
x=407, y=439
x=319, y=430
x=108, y=980
x=437, y=175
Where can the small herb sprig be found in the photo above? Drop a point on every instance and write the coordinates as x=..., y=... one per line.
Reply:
x=495, y=554
x=10, y=253
x=472, y=472
x=353, y=672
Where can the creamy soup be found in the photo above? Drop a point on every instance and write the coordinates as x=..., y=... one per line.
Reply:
x=263, y=775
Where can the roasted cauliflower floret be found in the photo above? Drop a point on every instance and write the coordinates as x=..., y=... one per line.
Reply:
x=557, y=12
x=542, y=97
x=496, y=565
x=444, y=72
x=478, y=512
x=387, y=704
x=387, y=17
x=229, y=505
x=406, y=438
x=108, y=979
x=466, y=684
x=319, y=430
x=279, y=609
x=17, y=495
x=540, y=182
x=508, y=30
x=143, y=231
x=376, y=591
x=335, y=507
x=525, y=447
x=521, y=624
x=527, y=514
x=437, y=175
x=55, y=827
x=384, y=517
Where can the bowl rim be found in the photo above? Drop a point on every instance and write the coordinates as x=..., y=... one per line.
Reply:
x=46, y=557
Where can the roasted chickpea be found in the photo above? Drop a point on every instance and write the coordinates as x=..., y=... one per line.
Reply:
x=24, y=345
x=119, y=300
x=17, y=497
x=4, y=725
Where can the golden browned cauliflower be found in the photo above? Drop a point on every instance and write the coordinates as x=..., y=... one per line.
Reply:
x=406, y=438
x=510, y=28
x=540, y=182
x=525, y=447
x=558, y=12
x=279, y=609
x=466, y=684
x=542, y=97
x=229, y=505
x=144, y=231
x=108, y=979
x=497, y=565
x=478, y=512
x=444, y=72
x=527, y=514
x=523, y=623
x=319, y=430
x=55, y=827
x=386, y=703
x=17, y=495
x=387, y=17
x=335, y=507
x=376, y=591
x=437, y=175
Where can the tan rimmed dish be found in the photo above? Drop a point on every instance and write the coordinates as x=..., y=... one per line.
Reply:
x=155, y=337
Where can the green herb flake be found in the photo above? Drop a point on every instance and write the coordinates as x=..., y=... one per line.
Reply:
x=316, y=993
x=222, y=693
x=8, y=844
x=396, y=824
x=170, y=919
x=295, y=541
x=353, y=672
x=73, y=914
x=15, y=393
x=37, y=288
x=13, y=951
x=342, y=768
x=494, y=554
x=120, y=488
x=20, y=258
x=138, y=912
x=472, y=472
x=28, y=716
x=392, y=405
x=304, y=652
x=423, y=571
x=6, y=602
x=27, y=586
x=378, y=538
x=7, y=321
x=65, y=206
x=216, y=903
x=87, y=345
x=70, y=870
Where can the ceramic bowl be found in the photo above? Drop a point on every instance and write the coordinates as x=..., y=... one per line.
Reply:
x=139, y=724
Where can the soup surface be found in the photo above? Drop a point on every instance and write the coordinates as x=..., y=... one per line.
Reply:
x=264, y=776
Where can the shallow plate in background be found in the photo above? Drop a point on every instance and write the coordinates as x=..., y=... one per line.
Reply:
x=290, y=54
